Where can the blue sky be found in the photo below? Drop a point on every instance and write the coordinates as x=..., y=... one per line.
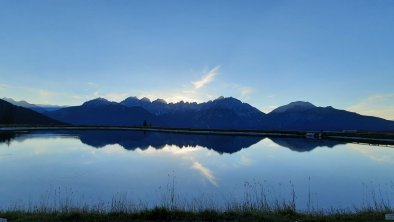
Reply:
x=266, y=53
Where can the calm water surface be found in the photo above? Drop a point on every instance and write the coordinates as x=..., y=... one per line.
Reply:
x=93, y=167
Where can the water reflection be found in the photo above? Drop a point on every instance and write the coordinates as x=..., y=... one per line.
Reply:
x=304, y=145
x=143, y=140
x=96, y=165
x=7, y=137
x=131, y=140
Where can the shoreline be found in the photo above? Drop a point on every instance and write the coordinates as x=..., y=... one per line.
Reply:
x=376, y=138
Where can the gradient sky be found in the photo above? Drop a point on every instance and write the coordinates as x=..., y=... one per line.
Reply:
x=266, y=53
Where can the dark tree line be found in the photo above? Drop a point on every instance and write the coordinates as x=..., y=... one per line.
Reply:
x=7, y=115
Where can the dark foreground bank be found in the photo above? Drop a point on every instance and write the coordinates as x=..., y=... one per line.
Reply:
x=162, y=214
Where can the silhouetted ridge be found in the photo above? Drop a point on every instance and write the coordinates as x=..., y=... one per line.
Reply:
x=41, y=108
x=11, y=114
x=325, y=118
x=294, y=106
x=103, y=112
x=97, y=102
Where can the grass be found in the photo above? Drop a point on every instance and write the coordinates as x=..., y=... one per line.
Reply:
x=164, y=214
x=257, y=204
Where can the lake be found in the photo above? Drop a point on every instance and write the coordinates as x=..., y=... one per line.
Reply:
x=146, y=169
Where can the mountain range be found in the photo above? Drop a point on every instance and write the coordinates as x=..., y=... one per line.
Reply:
x=221, y=113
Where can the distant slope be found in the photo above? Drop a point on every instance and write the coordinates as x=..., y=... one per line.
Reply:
x=36, y=107
x=294, y=106
x=310, y=117
x=11, y=114
x=103, y=112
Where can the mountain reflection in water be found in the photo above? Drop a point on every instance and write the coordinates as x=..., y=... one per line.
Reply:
x=131, y=140
x=303, y=144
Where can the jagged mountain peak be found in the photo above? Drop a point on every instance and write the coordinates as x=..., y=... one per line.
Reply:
x=134, y=99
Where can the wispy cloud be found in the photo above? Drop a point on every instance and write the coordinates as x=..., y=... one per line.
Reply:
x=194, y=92
x=46, y=94
x=379, y=155
x=207, y=78
x=245, y=160
x=243, y=91
x=376, y=105
x=92, y=84
x=3, y=86
x=207, y=173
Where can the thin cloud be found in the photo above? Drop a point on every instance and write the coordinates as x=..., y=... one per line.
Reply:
x=47, y=94
x=245, y=160
x=376, y=105
x=244, y=91
x=376, y=155
x=207, y=78
x=237, y=90
x=3, y=86
x=92, y=84
x=207, y=173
